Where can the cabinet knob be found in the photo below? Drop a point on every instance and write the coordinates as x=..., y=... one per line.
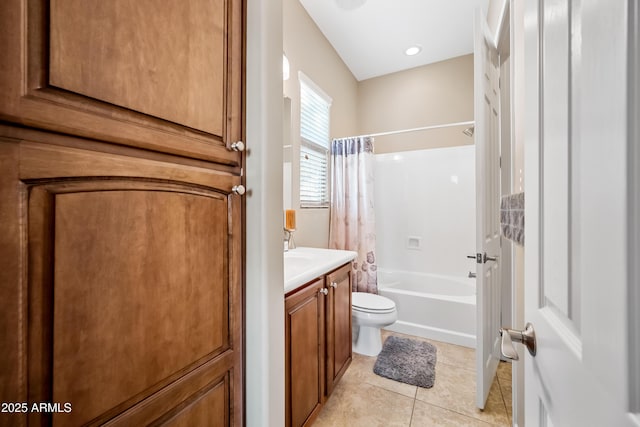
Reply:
x=324, y=291
x=237, y=146
x=334, y=285
x=238, y=189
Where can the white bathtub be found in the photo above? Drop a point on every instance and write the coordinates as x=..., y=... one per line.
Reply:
x=441, y=308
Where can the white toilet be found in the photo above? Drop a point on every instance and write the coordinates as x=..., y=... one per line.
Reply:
x=370, y=313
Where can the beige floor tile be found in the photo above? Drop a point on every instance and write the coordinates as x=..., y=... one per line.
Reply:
x=495, y=409
x=365, y=405
x=505, y=388
x=456, y=355
x=504, y=371
x=455, y=389
x=363, y=398
x=433, y=416
x=361, y=371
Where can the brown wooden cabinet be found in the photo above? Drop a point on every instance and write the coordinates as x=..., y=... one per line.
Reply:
x=305, y=353
x=338, y=324
x=121, y=238
x=164, y=76
x=317, y=343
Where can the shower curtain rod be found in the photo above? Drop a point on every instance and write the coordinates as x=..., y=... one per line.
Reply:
x=393, y=132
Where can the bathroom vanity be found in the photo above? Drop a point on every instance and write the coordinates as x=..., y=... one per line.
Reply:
x=317, y=328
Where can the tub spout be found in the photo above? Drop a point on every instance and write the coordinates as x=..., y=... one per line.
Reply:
x=471, y=275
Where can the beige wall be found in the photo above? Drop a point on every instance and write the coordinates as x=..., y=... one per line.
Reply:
x=309, y=51
x=433, y=94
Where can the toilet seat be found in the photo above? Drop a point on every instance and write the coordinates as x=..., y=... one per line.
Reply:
x=371, y=303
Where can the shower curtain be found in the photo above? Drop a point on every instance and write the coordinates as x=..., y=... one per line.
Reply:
x=352, y=224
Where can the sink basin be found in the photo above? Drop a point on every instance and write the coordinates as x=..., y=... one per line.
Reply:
x=296, y=264
x=302, y=265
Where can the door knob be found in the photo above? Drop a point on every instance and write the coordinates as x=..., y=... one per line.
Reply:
x=490, y=258
x=324, y=291
x=238, y=189
x=526, y=337
x=482, y=258
x=237, y=146
x=334, y=285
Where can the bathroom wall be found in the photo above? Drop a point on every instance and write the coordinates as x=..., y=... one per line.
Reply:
x=433, y=94
x=309, y=51
x=425, y=210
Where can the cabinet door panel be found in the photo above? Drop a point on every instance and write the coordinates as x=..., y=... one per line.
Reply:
x=128, y=298
x=305, y=361
x=143, y=275
x=207, y=410
x=339, y=345
x=168, y=65
x=159, y=75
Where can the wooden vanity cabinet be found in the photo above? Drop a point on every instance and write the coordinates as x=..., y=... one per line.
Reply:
x=304, y=356
x=338, y=314
x=317, y=343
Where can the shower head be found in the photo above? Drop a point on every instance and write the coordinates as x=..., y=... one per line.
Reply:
x=469, y=131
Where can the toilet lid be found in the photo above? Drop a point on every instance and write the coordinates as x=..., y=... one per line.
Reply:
x=370, y=302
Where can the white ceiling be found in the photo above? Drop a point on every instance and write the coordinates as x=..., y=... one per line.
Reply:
x=371, y=35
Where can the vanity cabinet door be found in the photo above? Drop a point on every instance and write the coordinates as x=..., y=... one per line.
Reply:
x=339, y=344
x=305, y=354
x=160, y=75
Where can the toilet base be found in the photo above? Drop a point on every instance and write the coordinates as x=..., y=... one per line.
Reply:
x=368, y=341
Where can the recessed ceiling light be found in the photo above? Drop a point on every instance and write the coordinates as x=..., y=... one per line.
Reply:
x=413, y=50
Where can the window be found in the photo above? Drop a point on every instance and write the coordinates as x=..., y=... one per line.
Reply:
x=314, y=145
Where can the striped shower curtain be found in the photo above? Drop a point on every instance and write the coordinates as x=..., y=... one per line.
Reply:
x=352, y=225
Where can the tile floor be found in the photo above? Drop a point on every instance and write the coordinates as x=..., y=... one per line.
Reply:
x=365, y=399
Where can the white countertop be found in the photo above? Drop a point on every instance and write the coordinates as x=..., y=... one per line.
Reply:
x=302, y=265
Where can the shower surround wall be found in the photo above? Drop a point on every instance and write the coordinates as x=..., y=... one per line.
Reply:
x=425, y=226
x=425, y=210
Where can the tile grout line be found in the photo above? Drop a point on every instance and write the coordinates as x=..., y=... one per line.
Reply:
x=413, y=409
x=464, y=414
x=504, y=402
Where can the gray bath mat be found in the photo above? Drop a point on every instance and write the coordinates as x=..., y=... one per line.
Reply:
x=408, y=361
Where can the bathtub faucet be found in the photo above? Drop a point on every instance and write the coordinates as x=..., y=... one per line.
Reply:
x=472, y=275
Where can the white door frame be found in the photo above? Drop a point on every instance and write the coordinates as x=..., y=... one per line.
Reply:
x=517, y=81
x=264, y=294
x=633, y=167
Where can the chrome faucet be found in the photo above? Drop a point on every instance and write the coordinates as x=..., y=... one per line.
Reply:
x=288, y=240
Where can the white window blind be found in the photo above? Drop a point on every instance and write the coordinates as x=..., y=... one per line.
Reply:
x=314, y=146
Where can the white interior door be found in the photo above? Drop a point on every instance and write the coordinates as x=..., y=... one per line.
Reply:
x=577, y=189
x=487, y=131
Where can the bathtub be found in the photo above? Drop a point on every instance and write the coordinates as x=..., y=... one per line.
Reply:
x=437, y=307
